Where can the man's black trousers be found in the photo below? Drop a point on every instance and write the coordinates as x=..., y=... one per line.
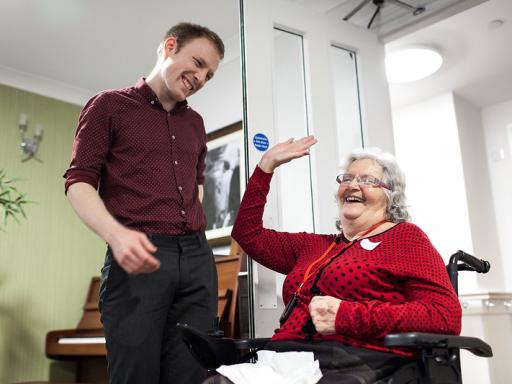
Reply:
x=139, y=312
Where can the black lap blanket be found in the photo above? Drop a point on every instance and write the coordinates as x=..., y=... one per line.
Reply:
x=342, y=364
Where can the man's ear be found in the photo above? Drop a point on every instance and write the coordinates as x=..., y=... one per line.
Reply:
x=170, y=46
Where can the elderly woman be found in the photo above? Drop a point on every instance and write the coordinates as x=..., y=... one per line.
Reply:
x=344, y=292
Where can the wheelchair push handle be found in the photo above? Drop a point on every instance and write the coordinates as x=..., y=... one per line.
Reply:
x=469, y=262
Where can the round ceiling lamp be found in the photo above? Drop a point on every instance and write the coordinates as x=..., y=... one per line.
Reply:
x=409, y=64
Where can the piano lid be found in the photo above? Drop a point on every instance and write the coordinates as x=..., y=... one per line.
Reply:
x=91, y=317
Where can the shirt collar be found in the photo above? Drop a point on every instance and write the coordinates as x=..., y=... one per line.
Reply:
x=145, y=90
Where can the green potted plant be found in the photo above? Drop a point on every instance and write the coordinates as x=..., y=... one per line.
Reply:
x=11, y=200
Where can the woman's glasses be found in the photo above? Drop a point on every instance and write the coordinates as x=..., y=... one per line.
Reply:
x=363, y=180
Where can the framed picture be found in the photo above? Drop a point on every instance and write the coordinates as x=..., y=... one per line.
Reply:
x=224, y=184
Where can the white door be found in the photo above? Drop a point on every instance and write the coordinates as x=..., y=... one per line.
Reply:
x=306, y=72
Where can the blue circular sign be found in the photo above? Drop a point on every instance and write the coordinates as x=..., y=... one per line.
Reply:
x=260, y=142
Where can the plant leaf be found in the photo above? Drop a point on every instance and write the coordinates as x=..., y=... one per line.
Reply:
x=11, y=199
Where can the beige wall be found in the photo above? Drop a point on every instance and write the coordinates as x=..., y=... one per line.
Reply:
x=46, y=261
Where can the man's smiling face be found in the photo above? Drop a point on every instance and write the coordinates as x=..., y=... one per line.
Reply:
x=187, y=68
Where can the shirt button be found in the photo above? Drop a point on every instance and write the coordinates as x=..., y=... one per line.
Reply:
x=173, y=137
x=180, y=188
x=176, y=162
x=152, y=102
x=182, y=213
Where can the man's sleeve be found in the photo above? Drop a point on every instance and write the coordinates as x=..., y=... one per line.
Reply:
x=91, y=144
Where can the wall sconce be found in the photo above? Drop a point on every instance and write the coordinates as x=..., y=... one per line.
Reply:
x=29, y=145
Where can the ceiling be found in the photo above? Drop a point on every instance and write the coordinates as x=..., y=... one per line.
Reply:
x=85, y=46
x=394, y=16
x=477, y=57
x=477, y=63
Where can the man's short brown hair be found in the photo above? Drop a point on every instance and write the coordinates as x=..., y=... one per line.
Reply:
x=185, y=32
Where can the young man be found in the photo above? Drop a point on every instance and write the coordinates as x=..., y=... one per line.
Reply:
x=136, y=179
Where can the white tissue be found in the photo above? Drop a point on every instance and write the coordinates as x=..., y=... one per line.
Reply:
x=275, y=368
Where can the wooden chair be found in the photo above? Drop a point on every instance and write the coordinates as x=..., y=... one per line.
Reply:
x=228, y=268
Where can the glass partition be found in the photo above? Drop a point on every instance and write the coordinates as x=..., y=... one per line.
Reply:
x=55, y=55
x=347, y=99
x=291, y=120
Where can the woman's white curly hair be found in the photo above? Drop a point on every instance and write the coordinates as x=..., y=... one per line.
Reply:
x=396, y=210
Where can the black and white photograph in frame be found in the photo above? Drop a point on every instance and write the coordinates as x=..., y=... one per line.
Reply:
x=223, y=184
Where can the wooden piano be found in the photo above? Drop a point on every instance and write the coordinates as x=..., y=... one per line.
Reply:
x=86, y=343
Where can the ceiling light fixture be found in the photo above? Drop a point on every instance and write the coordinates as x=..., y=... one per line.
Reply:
x=409, y=64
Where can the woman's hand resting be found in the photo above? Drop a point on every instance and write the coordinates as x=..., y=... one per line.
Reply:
x=323, y=311
x=284, y=152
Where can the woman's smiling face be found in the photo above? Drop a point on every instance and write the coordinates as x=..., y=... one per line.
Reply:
x=365, y=204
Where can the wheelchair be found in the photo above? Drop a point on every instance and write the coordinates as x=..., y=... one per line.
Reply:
x=438, y=362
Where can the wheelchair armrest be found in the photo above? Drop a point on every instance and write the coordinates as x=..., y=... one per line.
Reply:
x=210, y=352
x=259, y=343
x=421, y=340
x=213, y=351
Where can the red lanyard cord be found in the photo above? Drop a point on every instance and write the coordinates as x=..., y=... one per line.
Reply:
x=308, y=272
x=291, y=304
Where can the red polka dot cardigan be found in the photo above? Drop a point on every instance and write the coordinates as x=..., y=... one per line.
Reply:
x=399, y=286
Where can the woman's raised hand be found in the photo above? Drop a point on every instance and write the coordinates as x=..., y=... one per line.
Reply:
x=286, y=151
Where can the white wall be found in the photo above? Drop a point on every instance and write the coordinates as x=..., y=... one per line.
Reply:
x=427, y=148
x=44, y=86
x=481, y=208
x=460, y=201
x=458, y=165
x=497, y=126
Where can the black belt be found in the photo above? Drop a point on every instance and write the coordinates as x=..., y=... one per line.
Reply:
x=166, y=240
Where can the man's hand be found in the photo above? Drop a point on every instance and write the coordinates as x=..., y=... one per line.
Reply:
x=323, y=311
x=133, y=251
x=284, y=152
